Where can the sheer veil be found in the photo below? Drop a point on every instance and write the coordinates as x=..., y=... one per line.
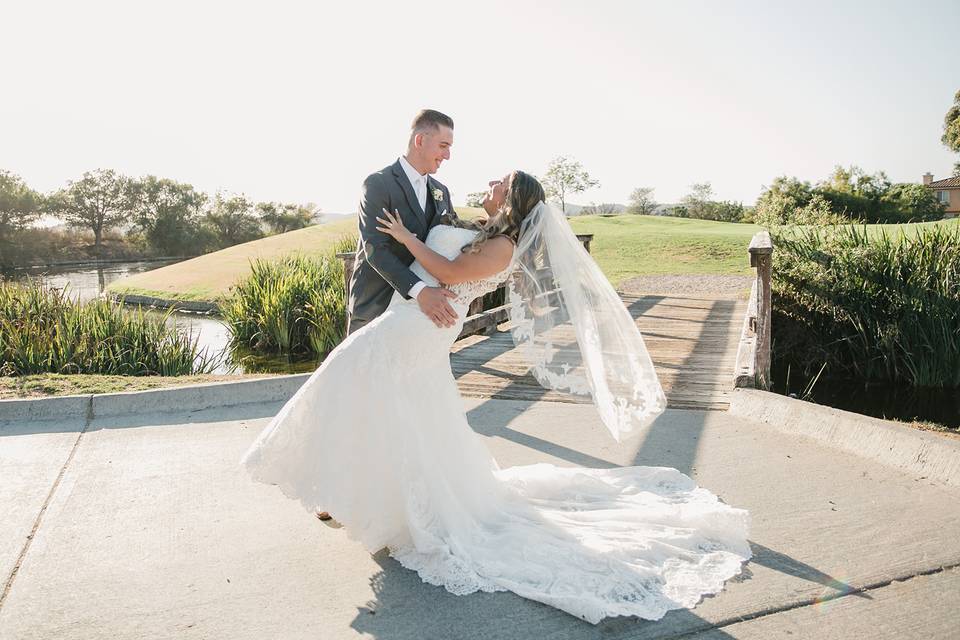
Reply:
x=572, y=328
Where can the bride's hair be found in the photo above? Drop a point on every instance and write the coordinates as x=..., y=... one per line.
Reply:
x=522, y=196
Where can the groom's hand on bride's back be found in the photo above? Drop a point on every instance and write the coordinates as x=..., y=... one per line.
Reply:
x=435, y=303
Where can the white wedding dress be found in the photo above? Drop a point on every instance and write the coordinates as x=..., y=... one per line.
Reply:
x=378, y=437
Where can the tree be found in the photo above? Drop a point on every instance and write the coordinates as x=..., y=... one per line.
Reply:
x=951, y=127
x=475, y=199
x=793, y=190
x=19, y=204
x=169, y=214
x=99, y=201
x=854, y=193
x=642, y=202
x=697, y=202
x=281, y=217
x=725, y=211
x=911, y=202
x=233, y=220
x=564, y=177
x=601, y=208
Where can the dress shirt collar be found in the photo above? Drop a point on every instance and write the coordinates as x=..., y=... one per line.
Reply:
x=412, y=174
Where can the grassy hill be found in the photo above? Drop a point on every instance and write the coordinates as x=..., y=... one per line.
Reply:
x=624, y=246
x=209, y=277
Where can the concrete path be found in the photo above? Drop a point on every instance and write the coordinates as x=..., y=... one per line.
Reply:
x=143, y=526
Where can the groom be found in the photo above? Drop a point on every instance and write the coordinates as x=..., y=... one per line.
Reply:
x=382, y=264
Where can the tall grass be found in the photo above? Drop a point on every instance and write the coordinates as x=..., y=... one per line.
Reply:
x=44, y=330
x=876, y=307
x=293, y=306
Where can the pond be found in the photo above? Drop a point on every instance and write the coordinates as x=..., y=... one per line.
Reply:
x=87, y=281
x=880, y=400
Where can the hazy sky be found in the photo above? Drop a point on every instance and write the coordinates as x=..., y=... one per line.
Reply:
x=300, y=101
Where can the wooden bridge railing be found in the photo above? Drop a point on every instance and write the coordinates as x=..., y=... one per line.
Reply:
x=478, y=320
x=753, y=353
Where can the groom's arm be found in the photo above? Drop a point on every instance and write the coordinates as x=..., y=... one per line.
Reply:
x=376, y=244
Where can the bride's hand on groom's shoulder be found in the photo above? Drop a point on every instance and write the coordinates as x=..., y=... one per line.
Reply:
x=392, y=225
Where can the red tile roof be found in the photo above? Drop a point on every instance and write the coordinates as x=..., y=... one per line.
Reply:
x=946, y=183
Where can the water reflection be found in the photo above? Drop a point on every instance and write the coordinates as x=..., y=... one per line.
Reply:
x=880, y=400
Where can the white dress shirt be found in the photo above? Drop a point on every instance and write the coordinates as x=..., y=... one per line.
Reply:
x=419, y=183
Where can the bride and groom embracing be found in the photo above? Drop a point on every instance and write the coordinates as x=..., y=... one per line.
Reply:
x=379, y=437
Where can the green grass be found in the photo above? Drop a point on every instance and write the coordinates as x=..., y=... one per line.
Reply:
x=210, y=277
x=44, y=385
x=624, y=246
x=290, y=306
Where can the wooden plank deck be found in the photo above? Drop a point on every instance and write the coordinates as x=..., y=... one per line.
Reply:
x=692, y=342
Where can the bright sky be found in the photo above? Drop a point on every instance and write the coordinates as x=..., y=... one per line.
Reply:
x=300, y=101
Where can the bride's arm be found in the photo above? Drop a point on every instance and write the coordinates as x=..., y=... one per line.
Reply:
x=493, y=257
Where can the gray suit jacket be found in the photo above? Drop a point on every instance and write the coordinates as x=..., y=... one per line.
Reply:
x=382, y=264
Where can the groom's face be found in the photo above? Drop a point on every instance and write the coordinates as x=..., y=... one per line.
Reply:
x=434, y=147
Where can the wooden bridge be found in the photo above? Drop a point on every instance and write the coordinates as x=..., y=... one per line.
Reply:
x=702, y=346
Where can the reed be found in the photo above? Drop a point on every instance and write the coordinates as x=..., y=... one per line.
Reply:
x=293, y=306
x=44, y=330
x=872, y=306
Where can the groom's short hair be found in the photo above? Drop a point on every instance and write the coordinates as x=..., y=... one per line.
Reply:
x=429, y=120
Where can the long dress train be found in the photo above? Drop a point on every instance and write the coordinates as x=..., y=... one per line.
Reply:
x=378, y=437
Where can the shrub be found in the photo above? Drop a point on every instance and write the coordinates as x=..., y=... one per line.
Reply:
x=882, y=307
x=293, y=306
x=43, y=330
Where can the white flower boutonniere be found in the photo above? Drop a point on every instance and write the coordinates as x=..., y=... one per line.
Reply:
x=438, y=195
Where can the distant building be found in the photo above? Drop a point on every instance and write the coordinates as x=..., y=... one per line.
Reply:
x=947, y=192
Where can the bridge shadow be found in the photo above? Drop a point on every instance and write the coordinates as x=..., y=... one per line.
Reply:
x=497, y=423
x=671, y=442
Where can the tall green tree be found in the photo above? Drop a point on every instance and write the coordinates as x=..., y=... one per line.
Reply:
x=282, y=217
x=170, y=215
x=564, y=177
x=951, y=130
x=99, y=201
x=232, y=220
x=642, y=202
x=19, y=204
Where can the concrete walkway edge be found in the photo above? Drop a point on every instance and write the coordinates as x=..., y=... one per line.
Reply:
x=912, y=450
x=891, y=443
x=193, y=397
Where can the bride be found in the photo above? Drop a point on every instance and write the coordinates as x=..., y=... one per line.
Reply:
x=378, y=435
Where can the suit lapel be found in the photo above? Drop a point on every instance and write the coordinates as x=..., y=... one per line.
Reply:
x=437, y=208
x=407, y=188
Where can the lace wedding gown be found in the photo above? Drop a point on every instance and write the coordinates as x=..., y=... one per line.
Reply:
x=378, y=437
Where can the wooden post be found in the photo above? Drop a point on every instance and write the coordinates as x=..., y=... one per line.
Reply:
x=761, y=258
x=348, y=258
x=586, y=239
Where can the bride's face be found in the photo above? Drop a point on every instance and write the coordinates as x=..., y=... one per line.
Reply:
x=496, y=195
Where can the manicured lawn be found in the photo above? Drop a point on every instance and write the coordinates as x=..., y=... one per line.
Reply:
x=209, y=277
x=624, y=246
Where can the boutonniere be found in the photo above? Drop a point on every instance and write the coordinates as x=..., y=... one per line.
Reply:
x=438, y=195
